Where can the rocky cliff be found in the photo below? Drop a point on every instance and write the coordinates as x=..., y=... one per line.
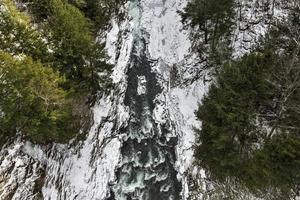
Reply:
x=141, y=143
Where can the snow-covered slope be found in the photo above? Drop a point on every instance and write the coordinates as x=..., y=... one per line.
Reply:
x=141, y=143
x=88, y=170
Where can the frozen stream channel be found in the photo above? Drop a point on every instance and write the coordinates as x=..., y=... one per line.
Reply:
x=139, y=147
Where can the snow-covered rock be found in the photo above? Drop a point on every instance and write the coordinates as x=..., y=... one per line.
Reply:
x=93, y=169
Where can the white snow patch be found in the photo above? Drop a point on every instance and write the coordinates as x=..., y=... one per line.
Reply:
x=184, y=103
x=167, y=40
x=141, y=85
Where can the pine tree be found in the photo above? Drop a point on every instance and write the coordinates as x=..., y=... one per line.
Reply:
x=32, y=102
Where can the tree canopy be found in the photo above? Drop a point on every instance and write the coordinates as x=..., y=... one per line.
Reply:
x=212, y=22
x=251, y=122
x=250, y=117
x=32, y=102
x=50, y=68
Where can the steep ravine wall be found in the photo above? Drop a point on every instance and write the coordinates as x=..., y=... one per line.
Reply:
x=141, y=143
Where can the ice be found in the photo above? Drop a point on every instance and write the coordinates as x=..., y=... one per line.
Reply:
x=87, y=169
x=141, y=85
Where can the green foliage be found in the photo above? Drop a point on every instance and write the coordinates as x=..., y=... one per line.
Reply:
x=277, y=164
x=57, y=40
x=40, y=9
x=212, y=21
x=250, y=117
x=32, y=103
x=75, y=52
x=250, y=128
x=17, y=35
x=227, y=110
x=71, y=38
x=214, y=17
x=99, y=11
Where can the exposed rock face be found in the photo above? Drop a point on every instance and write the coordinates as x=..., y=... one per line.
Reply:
x=21, y=176
x=252, y=21
x=141, y=143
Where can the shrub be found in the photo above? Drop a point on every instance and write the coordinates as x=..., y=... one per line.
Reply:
x=32, y=102
x=250, y=128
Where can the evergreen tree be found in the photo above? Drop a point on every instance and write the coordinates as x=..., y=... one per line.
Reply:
x=250, y=116
x=54, y=52
x=32, y=102
x=76, y=54
x=250, y=123
x=212, y=24
x=17, y=34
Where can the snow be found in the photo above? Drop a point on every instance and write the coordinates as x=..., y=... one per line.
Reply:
x=253, y=23
x=86, y=171
x=167, y=39
x=141, y=85
x=186, y=101
x=111, y=42
x=169, y=44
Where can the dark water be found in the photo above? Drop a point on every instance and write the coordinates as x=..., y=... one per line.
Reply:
x=146, y=170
